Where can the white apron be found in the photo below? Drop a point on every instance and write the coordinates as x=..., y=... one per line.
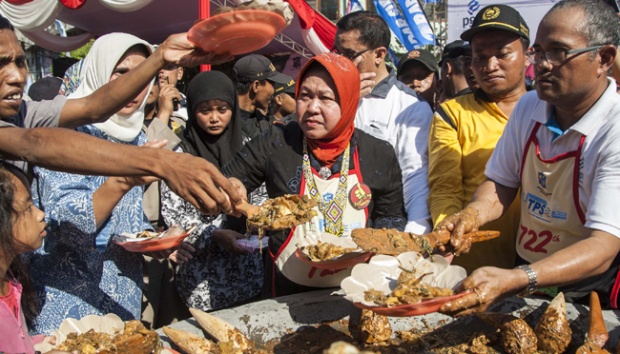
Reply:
x=552, y=217
x=302, y=273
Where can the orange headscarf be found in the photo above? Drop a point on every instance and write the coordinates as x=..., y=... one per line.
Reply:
x=347, y=80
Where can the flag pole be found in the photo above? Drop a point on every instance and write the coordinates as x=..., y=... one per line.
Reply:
x=204, y=12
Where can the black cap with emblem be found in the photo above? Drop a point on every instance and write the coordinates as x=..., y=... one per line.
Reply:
x=500, y=17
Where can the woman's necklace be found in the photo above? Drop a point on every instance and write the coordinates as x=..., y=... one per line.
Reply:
x=333, y=209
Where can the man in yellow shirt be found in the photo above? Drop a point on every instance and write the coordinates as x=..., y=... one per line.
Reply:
x=465, y=129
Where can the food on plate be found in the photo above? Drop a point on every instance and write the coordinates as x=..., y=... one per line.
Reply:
x=324, y=251
x=553, y=332
x=374, y=328
x=147, y=234
x=409, y=290
x=174, y=230
x=283, y=212
x=135, y=339
x=190, y=343
x=394, y=242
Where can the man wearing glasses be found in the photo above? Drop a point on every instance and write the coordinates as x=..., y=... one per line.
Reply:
x=466, y=129
x=389, y=110
x=561, y=149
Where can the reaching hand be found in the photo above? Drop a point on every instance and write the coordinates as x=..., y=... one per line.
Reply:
x=487, y=285
x=459, y=224
x=165, y=105
x=228, y=240
x=199, y=182
x=176, y=49
x=182, y=254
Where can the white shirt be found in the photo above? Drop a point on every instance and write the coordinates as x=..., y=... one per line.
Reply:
x=599, y=170
x=392, y=112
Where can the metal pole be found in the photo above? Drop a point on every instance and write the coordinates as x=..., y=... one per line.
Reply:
x=204, y=12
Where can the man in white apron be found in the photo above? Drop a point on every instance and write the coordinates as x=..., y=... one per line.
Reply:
x=561, y=148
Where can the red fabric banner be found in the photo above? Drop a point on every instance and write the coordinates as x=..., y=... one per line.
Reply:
x=18, y=2
x=309, y=18
x=71, y=4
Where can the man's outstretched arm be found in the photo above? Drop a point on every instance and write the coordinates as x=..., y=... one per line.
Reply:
x=110, y=98
x=192, y=178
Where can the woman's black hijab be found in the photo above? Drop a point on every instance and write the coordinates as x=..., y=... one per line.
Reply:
x=212, y=85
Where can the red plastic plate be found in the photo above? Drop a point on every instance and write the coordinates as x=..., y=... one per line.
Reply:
x=420, y=308
x=154, y=244
x=236, y=32
x=347, y=260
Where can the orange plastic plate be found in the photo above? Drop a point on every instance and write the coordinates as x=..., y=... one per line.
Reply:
x=152, y=244
x=236, y=32
x=420, y=308
x=347, y=260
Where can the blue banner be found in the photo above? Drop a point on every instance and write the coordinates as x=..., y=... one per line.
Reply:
x=397, y=23
x=417, y=21
x=354, y=5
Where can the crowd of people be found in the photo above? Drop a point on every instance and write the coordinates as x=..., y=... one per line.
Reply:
x=456, y=143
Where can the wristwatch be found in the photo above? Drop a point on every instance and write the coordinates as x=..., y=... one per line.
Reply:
x=532, y=281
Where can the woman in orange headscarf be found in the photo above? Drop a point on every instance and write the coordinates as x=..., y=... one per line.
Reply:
x=354, y=177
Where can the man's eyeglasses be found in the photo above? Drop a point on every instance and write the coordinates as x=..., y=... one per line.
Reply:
x=556, y=56
x=349, y=55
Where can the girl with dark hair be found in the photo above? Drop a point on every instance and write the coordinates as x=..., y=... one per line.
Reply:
x=22, y=229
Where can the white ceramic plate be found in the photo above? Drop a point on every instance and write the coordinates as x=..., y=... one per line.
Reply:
x=382, y=272
x=110, y=324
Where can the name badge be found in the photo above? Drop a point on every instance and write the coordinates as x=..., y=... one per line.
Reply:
x=360, y=196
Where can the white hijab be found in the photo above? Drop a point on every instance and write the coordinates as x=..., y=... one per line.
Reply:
x=96, y=71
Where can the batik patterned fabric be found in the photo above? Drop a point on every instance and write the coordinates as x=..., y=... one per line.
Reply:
x=214, y=278
x=78, y=271
x=71, y=80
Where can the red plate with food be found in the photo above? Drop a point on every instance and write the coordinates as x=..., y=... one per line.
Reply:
x=346, y=260
x=148, y=241
x=236, y=32
x=327, y=251
x=106, y=333
x=417, y=309
x=406, y=285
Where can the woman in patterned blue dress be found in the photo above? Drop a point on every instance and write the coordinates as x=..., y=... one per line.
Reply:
x=78, y=271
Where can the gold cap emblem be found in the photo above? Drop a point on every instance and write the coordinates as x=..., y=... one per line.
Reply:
x=413, y=54
x=490, y=13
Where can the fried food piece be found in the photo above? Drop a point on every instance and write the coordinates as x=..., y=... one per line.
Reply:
x=88, y=343
x=324, y=251
x=137, y=339
x=147, y=234
x=590, y=348
x=190, y=343
x=283, y=212
x=517, y=337
x=597, y=331
x=341, y=347
x=230, y=339
x=394, y=242
x=553, y=332
x=374, y=328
